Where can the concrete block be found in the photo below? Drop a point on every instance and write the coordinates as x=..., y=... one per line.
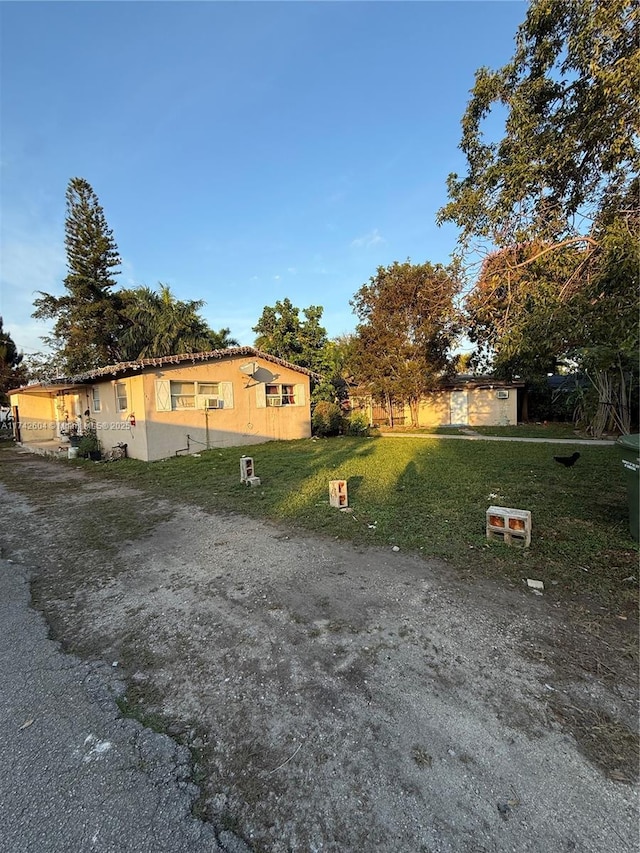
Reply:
x=246, y=468
x=338, y=493
x=253, y=481
x=511, y=526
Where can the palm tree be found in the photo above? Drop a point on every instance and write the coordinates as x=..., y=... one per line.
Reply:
x=157, y=324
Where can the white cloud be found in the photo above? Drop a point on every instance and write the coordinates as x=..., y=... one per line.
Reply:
x=373, y=238
x=292, y=270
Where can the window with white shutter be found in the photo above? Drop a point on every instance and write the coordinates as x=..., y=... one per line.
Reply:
x=163, y=395
x=226, y=392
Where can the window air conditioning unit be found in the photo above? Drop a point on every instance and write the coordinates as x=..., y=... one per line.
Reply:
x=502, y=395
x=212, y=403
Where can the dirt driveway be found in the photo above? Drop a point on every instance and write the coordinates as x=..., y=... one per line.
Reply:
x=336, y=699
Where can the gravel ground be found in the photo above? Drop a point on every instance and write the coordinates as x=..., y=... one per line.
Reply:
x=334, y=698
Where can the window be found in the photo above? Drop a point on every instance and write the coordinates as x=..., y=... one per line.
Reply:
x=280, y=395
x=183, y=395
x=95, y=399
x=209, y=389
x=209, y=395
x=176, y=395
x=121, y=397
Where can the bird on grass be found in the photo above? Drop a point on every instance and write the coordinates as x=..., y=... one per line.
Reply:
x=568, y=461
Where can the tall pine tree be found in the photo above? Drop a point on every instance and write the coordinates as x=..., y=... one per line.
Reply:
x=87, y=317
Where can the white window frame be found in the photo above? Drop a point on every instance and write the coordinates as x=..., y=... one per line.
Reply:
x=120, y=398
x=284, y=395
x=206, y=391
x=96, y=405
x=167, y=398
x=176, y=405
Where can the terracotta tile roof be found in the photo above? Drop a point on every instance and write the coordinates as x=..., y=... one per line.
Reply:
x=124, y=367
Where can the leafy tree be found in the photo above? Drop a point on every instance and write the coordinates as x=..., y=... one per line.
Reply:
x=604, y=315
x=558, y=194
x=531, y=311
x=43, y=367
x=337, y=371
x=569, y=148
x=282, y=333
x=158, y=324
x=408, y=324
x=87, y=317
x=12, y=371
x=517, y=312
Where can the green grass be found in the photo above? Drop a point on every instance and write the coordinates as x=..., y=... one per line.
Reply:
x=428, y=496
x=429, y=430
x=547, y=430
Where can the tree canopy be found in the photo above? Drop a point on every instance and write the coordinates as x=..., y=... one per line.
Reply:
x=569, y=147
x=282, y=333
x=97, y=325
x=158, y=324
x=87, y=317
x=408, y=325
x=554, y=202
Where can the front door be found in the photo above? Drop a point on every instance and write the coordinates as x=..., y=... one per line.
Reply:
x=459, y=408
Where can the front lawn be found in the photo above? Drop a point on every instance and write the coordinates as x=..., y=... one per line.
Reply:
x=542, y=430
x=537, y=430
x=429, y=496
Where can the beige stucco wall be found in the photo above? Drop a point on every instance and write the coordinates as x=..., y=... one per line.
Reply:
x=37, y=415
x=113, y=427
x=485, y=409
x=433, y=411
x=159, y=434
x=245, y=422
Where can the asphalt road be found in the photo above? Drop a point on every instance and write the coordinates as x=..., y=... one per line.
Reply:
x=76, y=776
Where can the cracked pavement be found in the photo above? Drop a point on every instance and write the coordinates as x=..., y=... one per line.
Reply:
x=77, y=776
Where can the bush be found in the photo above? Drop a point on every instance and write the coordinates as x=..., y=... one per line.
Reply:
x=326, y=419
x=89, y=445
x=356, y=424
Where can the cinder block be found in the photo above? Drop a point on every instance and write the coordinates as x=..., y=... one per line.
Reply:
x=246, y=468
x=338, y=493
x=511, y=526
x=253, y=481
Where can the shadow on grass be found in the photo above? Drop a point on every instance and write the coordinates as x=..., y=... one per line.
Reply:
x=428, y=495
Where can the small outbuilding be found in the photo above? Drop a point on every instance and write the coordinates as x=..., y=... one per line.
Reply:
x=460, y=401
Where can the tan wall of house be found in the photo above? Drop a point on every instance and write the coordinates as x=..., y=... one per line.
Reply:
x=157, y=434
x=433, y=411
x=485, y=409
x=113, y=426
x=37, y=416
x=246, y=421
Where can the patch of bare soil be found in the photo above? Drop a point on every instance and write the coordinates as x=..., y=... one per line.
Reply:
x=334, y=698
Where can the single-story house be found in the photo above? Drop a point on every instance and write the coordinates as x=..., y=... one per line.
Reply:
x=464, y=400
x=174, y=404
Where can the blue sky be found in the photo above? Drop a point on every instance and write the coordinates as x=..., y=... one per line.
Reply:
x=243, y=152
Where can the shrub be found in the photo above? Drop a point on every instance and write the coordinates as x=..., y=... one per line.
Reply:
x=326, y=419
x=89, y=444
x=356, y=424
